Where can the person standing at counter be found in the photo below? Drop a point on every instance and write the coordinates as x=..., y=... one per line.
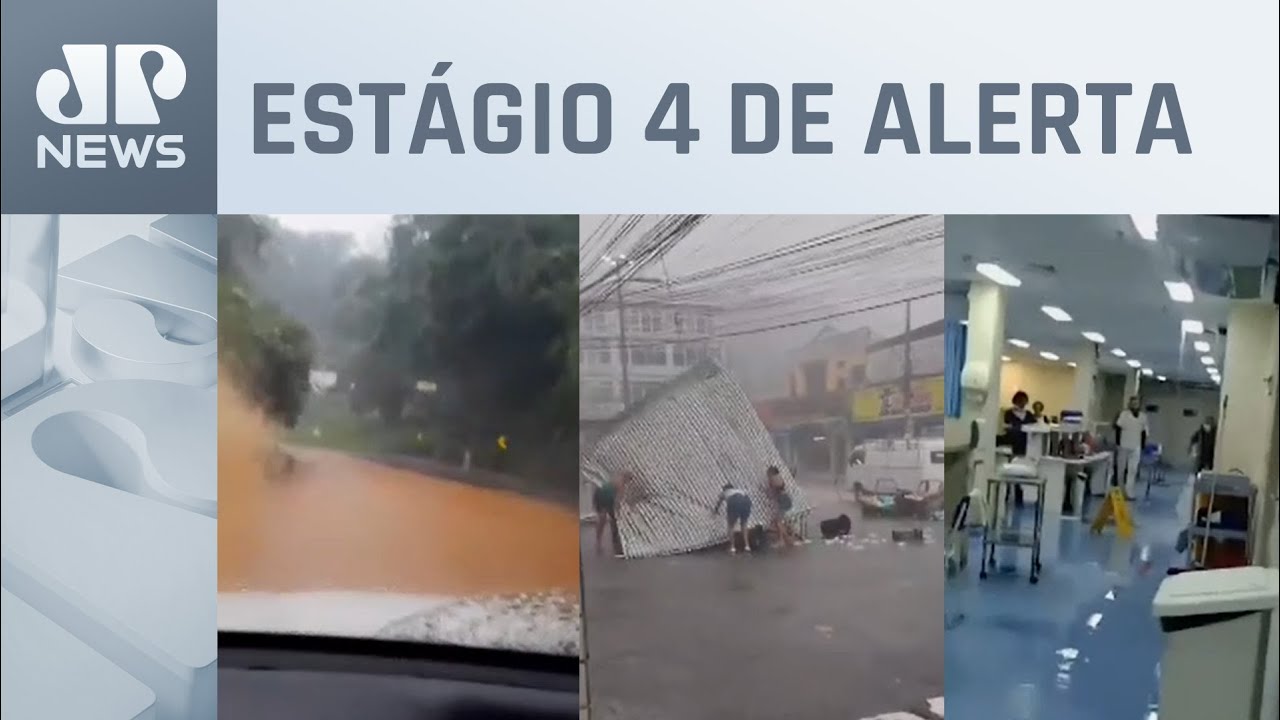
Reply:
x=1037, y=412
x=1015, y=418
x=1131, y=437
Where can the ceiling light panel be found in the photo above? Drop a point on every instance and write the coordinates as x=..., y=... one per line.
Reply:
x=1056, y=313
x=997, y=274
x=1179, y=292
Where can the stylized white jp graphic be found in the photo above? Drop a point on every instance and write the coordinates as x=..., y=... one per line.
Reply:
x=134, y=101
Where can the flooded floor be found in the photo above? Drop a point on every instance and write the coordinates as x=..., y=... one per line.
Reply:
x=838, y=630
x=337, y=522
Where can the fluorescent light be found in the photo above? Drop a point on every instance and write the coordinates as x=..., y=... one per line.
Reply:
x=1148, y=372
x=1202, y=346
x=1071, y=364
x=1056, y=313
x=1217, y=380
x=1179, y=292
x=1019, y=343
x=1146, y=226
x=1161, y=378
x=1094, y=337
x=1207, y=360
x=997, y=274
x=1192, y=327
x=1117, y=352
x=1050, y=356
x=1005, y=358
x=1133, y=364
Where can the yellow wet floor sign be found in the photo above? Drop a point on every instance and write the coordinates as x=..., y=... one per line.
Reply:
x=1114, y=509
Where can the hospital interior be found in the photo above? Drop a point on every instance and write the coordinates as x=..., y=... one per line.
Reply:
x=1096, y=574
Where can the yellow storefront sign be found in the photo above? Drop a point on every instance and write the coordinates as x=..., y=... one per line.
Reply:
x=885, y=402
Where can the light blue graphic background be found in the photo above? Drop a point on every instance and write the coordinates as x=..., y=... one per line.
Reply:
x=636, y=49
x=110, y=478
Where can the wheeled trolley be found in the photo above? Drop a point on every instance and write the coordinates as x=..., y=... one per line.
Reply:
x=1001, y=527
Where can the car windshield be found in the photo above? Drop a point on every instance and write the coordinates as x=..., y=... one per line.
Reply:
x=397, y=428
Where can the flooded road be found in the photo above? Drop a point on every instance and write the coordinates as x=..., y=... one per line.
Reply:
x=342, y=523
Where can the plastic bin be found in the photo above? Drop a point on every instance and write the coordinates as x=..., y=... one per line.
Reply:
x=1214, y=623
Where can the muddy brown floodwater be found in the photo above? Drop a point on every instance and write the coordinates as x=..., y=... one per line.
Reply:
x=338, y=522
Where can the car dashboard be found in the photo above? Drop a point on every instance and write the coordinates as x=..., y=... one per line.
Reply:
x=281, y=677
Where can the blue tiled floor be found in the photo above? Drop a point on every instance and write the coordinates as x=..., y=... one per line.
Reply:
x=1080, y=645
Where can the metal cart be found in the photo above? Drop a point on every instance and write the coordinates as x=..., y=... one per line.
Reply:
x=1215, y=492
x=1000, y=528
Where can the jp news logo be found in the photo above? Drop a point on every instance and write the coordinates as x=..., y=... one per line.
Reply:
x=135, y=104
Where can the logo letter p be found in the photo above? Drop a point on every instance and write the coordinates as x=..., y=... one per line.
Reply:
x=134, y=102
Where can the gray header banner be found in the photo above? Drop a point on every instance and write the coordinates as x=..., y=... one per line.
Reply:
x=109, y=107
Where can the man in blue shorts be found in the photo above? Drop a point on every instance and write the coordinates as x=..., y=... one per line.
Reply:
x=737, y=510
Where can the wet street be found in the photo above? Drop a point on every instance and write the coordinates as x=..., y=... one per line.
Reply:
x=337, y=522
x=820, y=631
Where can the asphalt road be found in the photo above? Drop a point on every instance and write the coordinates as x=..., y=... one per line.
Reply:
x=820, y=631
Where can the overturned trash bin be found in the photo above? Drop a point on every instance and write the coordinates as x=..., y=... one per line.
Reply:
x=682, y=444
x=1214, y=622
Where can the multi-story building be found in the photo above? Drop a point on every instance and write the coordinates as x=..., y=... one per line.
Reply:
x=884, y=407
x=833, y=362
x=809, y=424
x=845, y=387
x=662, y=341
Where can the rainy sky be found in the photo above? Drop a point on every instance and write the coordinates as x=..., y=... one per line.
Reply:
x=369, y=231
x=776, y=279
x=844, y=264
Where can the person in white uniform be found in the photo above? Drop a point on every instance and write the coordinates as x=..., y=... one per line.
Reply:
x=1131, y=437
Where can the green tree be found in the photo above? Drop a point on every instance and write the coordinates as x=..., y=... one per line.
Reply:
x=268, y=353
x=485, y=307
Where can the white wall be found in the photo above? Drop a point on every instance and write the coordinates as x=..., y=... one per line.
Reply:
x=1271, y=669
x=1169, y=426
x=1249, y=382
x=1109, y=396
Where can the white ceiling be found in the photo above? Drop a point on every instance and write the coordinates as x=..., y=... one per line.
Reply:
x=1109, y=279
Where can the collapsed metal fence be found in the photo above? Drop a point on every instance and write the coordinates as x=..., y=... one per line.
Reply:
x=683, y=444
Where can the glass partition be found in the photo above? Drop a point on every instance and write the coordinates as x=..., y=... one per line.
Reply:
x=27, y=300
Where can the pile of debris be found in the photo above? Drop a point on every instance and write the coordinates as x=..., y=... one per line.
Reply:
x=682, y=444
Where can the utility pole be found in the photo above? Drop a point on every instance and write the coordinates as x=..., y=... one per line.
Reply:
x=910, y=430
x=623, y=352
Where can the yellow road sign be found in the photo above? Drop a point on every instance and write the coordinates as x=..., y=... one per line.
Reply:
x=1115, y=509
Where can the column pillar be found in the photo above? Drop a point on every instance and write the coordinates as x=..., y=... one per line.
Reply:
x=1083, y=395
x=981, y=379
x=1132, y=385
x=1246, y=425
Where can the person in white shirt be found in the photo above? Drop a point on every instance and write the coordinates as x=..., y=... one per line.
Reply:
x=1131, y=437
x=737, y=505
